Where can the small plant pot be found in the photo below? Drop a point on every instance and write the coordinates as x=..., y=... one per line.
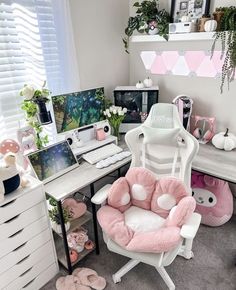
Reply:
x=57, y=227
x=217, y=15
x=152, y=27
x=44, y=115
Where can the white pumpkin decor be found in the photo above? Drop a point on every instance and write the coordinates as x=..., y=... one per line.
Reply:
x=210, y=25
x=147, y=82
x=185, y=18
x=224, y=140
x=139, y=85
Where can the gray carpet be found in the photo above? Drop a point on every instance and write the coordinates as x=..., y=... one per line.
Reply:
x=212, y=267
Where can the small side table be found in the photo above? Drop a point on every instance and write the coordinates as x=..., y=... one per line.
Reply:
x=67, y=185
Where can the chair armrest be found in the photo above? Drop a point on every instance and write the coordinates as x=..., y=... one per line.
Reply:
x=101, y=195
x=189, y=229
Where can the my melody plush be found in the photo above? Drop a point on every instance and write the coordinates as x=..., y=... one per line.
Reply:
x=164, y=205
x=11, y=175
x=214, y=199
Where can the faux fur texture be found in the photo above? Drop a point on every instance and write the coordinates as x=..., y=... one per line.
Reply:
x=139, y=183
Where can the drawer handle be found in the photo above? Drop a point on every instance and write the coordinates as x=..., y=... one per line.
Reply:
x=25, y=258
x=16, y=233
x=16, y=249
x=26, y=273
x=10, y=220
x=29, y=283
x=6, y=204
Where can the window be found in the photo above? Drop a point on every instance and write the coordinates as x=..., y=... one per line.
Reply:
x=31, y=52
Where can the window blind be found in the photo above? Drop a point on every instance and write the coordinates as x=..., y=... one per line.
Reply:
x=28, y=54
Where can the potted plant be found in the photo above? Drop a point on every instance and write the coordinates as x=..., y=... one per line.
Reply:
x=34, y=105
x=148, y=19
x=54, y=216
x=115, y=115
x=227, y=35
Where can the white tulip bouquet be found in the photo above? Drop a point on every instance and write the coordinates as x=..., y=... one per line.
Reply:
x=115, y=115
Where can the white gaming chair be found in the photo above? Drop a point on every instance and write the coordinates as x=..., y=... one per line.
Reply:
x=169, y=158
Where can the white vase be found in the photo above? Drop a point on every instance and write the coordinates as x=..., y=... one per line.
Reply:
x=57, y=227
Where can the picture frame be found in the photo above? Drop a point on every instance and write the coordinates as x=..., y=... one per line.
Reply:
x=195, y=9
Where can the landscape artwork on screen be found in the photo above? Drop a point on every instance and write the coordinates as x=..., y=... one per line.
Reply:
x=76, y=110
x=52, y=160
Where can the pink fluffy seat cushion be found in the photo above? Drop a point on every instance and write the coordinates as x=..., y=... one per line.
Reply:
x=144, y=214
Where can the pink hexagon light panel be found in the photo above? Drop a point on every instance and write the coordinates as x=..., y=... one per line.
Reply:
x=187, y=63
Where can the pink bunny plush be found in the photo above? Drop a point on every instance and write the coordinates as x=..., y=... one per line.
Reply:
x=214, y=199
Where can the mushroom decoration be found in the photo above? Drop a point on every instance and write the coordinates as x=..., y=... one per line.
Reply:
x=9, y=145
x=224, y=140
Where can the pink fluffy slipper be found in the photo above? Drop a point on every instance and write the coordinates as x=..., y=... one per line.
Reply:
x=70, y=282
x=90, y=278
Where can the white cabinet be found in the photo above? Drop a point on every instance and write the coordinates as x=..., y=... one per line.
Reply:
x=27, y=257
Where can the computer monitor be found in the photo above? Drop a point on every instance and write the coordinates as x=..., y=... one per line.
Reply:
x=75, y=110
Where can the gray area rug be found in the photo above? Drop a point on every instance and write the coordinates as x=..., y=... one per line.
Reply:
x=212, y=268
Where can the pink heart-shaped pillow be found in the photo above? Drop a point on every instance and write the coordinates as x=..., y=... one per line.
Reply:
x=76, y=208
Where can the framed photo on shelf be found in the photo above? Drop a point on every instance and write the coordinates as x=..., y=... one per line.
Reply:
x=192, y=8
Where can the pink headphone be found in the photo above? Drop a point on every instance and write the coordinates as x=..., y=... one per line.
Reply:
x=200, y=132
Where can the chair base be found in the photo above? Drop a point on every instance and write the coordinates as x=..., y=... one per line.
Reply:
x=132, y=263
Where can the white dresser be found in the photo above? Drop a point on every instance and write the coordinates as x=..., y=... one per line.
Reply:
x=27, y=254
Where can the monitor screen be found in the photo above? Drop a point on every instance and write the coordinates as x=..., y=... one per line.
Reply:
x=79, y=109
x=52, y=161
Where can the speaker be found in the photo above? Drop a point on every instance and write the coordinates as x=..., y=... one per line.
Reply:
x=182, y=27
x=73, y=140
x=105, y=126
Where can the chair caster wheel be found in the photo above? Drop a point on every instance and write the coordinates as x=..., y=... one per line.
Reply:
x=116, y=279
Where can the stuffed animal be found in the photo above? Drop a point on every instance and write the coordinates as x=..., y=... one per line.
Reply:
x=11, y=175
x=214, y=199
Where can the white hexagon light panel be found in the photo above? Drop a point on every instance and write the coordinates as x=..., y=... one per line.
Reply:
x=187, y=63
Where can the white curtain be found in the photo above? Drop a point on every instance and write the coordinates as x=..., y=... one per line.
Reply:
x=36, y=43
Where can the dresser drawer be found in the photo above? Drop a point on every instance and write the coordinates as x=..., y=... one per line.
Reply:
x=20, y=204
x=10, y=227
x=42, y=279
x=23, y=235
x=26, y=264
x=24, y=250
x=26, y=279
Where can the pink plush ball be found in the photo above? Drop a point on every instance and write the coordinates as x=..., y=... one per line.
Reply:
x=9, y=145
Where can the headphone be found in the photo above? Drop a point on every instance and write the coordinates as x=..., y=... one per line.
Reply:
x=200, y=132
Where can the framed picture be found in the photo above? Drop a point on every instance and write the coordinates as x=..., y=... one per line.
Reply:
x=192, y=8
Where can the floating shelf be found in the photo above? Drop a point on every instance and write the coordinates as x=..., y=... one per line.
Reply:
x=194, y=36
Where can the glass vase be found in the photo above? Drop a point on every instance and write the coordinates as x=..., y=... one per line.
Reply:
x=115, y=131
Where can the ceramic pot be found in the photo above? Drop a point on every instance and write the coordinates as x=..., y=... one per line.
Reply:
x=44, y=115
x=57, y=227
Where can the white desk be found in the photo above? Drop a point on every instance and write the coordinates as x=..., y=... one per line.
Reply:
x=85, y=174
x=73, y=181
x=215, y=162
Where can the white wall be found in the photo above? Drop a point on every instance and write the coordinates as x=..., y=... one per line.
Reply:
x=205, y=91
x=98, y=29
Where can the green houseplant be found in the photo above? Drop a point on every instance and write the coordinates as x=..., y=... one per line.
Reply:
x=34, y=103
x=227, y=35
x=54, y=216
x=147, y=13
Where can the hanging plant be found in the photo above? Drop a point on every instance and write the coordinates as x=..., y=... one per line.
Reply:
x=148, y=19
x=227, y=35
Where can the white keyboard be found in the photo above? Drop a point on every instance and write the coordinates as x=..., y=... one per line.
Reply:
x=102, y=153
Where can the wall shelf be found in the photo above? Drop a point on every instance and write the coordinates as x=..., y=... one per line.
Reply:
x=194, y=36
